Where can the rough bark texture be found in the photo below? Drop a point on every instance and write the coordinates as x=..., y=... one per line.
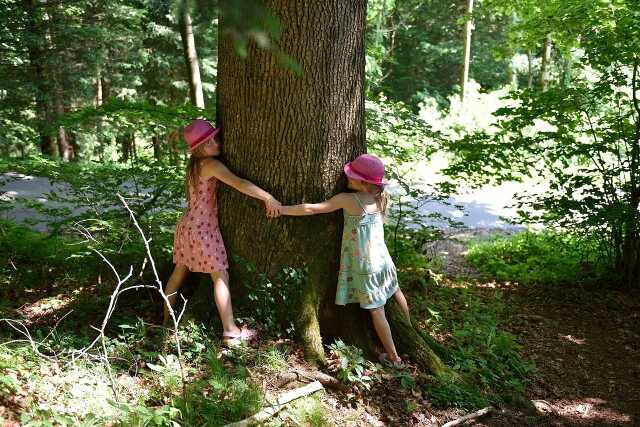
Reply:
x=421, y=348
x=291, y=135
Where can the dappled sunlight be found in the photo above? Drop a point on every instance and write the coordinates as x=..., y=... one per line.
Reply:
x=45, y=306
x=572, y=339
x=590, y=411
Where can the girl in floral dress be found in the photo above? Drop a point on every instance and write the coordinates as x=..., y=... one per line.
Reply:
x=198, y=244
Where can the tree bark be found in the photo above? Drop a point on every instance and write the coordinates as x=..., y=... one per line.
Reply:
x=157, y=147
x=292, y=135
x=546, y=58
x=191, y=58
x=468, y=26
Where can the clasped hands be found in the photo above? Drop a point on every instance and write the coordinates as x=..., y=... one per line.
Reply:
x=272, y=207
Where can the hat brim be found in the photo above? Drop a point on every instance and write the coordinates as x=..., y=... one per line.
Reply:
x=351, y=173
x=206, y=138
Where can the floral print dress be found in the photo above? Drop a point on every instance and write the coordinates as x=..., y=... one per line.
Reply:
x=367, y=273
x=198, y=243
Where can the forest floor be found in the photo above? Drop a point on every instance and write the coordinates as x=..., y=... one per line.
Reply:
x=583, y=341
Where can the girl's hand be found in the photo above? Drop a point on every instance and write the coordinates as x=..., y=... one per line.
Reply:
x=272, y=207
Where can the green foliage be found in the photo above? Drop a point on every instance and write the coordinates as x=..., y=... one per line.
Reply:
x=89, y=206
x=271, y=300
x=305, y=412
x=581, y=137
x=220, y=397
x=139, y=415
x=539, y=258
x=415, y=49
x=488, y=358
x=351, y=366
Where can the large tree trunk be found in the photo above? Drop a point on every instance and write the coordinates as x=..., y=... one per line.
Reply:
x=546, y=59
x=292, y=135
x=468, y=26
x=191, y=58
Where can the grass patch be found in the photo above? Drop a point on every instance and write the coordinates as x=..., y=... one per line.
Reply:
x=539, y=258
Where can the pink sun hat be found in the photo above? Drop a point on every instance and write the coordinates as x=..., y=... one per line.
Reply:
x=199, y=131
x=367, y=168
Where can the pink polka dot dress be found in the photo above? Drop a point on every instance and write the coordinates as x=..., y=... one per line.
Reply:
x=198, y=243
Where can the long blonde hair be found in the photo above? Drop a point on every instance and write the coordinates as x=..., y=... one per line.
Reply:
x=192, y=175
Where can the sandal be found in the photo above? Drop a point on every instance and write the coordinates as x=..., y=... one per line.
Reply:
x=244, y=337
x=384, y=359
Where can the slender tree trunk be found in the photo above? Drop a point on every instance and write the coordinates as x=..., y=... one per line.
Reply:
x=38, y=59
x=468, y=27
x=546, y=59
x=530, y=69
x=567, y=63
x=292, y=136
x=64, y=148
x=191, y=58
x=157, y=147
x=126, y=146
x=98, y=101
x=75, y=148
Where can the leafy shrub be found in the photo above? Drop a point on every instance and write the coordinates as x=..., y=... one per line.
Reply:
x=266, y=296
x=350, y=364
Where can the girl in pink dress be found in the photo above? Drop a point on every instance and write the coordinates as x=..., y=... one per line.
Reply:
x=198, y=244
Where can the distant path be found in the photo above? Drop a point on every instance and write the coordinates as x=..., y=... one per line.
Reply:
x=483, y=208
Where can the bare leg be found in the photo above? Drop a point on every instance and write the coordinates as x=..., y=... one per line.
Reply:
x=180, y=273
x=402, y=301
x=223, y=301
x=384, y=333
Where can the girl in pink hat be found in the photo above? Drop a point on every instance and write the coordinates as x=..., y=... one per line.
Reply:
x=198, y=244
x=367, y=274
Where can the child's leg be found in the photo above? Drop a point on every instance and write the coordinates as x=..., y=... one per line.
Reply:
x=384, y=333
x=402, y=301
x=223, y=301
x=178, y=276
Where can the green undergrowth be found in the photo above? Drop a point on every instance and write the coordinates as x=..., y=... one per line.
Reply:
x=464, y=316
x=548, y=258
x=58, y=386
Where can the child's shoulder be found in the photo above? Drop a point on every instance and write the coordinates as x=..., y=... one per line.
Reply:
x=210, y=161
x=210, y=164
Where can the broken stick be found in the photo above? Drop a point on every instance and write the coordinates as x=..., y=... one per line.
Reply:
x=285, y=398
x=475, y=415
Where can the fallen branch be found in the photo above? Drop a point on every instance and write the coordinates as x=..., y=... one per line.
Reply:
x=285, y=398
x=324, y=379
x=473, y=416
